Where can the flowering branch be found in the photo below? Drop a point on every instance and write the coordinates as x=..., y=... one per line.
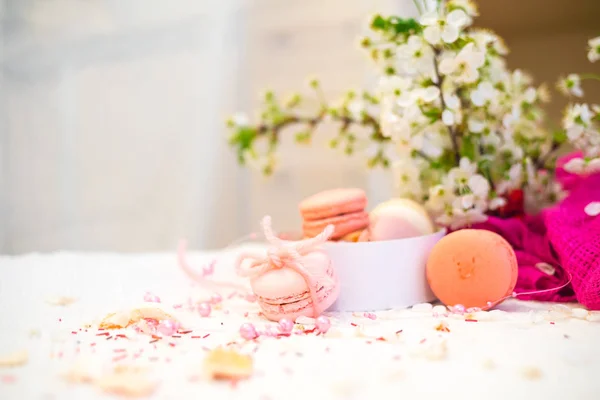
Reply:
x=462, y=132
x=440, y=80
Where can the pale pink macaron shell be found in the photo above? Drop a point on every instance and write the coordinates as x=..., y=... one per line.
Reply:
x=344, y=224
x=283, y=293
x=331, y=203
x=398, y=219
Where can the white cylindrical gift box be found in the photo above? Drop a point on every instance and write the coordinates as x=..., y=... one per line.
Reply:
x=382, y=275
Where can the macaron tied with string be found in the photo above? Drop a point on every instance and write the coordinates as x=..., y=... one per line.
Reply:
x=472, y=268
x=293, y=278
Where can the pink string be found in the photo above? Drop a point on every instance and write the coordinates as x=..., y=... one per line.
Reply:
x=514, y=294
x=287, y=254
x=206, y=271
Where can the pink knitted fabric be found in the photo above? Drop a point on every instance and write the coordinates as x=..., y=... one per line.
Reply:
x=563, y=236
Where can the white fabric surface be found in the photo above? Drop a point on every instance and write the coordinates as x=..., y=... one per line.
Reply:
x=516, y=353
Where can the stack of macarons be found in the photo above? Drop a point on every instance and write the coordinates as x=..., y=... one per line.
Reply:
x=342, y=208
x=345, y=210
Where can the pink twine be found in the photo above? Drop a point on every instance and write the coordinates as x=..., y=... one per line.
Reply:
x=515, y=294
x=206, y=271
x=288, y=254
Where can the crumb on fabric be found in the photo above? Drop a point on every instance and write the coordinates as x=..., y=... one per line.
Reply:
x=14, y=359
x=531, y=373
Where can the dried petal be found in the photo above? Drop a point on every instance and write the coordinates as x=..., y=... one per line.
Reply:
x=531, y=373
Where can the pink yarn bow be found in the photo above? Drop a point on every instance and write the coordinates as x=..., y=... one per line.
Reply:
x=289, y=254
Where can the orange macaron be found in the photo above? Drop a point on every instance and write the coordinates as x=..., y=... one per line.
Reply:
x=472, y=267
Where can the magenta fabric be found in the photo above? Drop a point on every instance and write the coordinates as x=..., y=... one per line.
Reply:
x=563, y=236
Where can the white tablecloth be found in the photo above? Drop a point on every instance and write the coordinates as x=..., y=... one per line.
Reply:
x=523, y=351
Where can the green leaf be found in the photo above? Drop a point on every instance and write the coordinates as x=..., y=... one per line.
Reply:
x=468, y=147
x=434, y=114
x=379, y=23
x=405, y=25
x=560, y=137
x=244, y=137
x=303, y=137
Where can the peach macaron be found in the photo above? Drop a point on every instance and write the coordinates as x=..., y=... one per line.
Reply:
x=473, y=268
x=342, y=208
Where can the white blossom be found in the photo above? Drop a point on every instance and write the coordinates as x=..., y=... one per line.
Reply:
x=458, y=218
x=440, y=196
x=475, y=125
x=465, y=66
x=415, y=56
x=443, y=29
x=582, y=167
x=592, y=209
x=594, y=51
x=571, y=85
x=407, y=178
x=394, y=127
x=459, y=176
x=468, y=6
x=393, y=85
x=485, y=92
x=356, y=109
x=448, y=118
x=497, y=202
x=240, y=119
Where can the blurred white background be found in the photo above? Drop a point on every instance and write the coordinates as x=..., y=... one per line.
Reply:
x=112, y=112
x=112, y=117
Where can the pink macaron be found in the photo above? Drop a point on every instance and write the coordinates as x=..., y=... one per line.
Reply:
x=342, y=208
x=283, y=293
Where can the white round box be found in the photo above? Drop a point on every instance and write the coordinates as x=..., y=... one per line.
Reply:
x=382, y=275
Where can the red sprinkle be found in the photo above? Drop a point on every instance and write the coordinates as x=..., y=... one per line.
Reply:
x=551, y=322
x=120, y=335
x=353, y=324
x=119, y=358
x=381, y=339
x=400, y=331
x=156, y=337
x=196, y=337
x=60, y=320
x=246, y=314
x=154, y=340
x=205, y=336
x=184, y=332
x=423, y=341
x=470, y=320
x=172, y=344
x=108, y=338
x=74, y=332
x=103, y=334
x=92, y=344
